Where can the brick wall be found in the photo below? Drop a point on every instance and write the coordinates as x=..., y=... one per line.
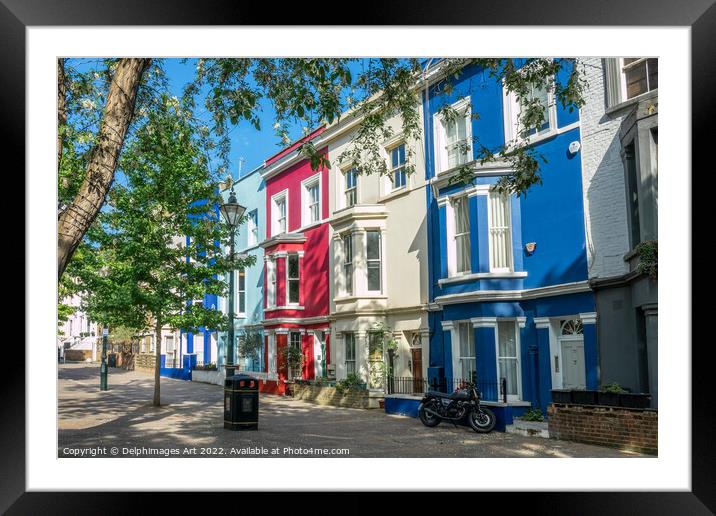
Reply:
x=605, y=207
x=626, y=429
x=353, y=398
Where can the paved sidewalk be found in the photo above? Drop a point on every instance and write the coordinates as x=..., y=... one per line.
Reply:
x=91, y=421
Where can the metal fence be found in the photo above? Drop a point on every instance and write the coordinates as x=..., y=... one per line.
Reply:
x=491, y=391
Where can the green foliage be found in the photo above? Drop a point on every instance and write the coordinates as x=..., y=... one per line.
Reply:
x=351, y=381
x=612, y=388
x=648, y=252
x=532, y=415
x=250, y=344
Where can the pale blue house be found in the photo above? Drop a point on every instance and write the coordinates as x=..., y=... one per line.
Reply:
x=249, y=291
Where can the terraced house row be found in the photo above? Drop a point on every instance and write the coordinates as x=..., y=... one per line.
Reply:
x=526, y=294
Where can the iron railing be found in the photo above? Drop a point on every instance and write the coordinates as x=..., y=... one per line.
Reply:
x=490, y=391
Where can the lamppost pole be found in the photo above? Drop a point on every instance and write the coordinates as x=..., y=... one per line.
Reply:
x=103, y=366
x=230, y=344
x=232, y=212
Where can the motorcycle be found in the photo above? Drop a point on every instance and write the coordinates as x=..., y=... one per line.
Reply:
x=465, y=401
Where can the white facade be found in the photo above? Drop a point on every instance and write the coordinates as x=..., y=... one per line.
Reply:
x=378, y=259
x=605, y=208
x=78, y=332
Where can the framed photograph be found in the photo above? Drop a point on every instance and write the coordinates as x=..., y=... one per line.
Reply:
x=322, y=254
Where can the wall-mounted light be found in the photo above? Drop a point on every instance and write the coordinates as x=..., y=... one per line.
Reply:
x=574, y=147
x=530, y=248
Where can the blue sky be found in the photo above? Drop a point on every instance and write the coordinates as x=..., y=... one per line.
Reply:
x=246, y=142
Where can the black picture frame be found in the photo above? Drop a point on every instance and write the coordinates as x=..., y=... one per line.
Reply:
x=700, y=15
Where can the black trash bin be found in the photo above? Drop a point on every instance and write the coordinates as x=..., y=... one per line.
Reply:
x=112, y=360
x=241, y=402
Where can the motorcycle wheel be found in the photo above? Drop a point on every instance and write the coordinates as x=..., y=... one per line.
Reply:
x=428, y=419
x=482, y=421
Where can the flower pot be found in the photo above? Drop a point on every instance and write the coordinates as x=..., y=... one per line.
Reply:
x=609, y=399
x=381, y=403
x=562, y=396
x=584, y=397
x=630, y=400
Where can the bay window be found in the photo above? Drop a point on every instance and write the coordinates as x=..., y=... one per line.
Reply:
x=348, y=263
x=350, y=352
x=271, y=276
x=500, y=232
x=374, y=260
x=292, y=280
x=466, y=357
x=462, y=234
x=508, y=357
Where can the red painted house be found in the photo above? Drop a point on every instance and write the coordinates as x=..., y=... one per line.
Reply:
x=296, y=275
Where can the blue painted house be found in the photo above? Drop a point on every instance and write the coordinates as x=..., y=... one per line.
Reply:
x=249, y=282
x=508, y=292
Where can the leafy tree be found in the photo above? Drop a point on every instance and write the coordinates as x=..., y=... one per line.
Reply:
x=134, y=268
x=96, y=106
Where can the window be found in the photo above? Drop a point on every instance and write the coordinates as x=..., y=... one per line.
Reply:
x=294, y=363
x=373, y=256
x=240, y=301
x=508, y=356
x=466, y=358
x=462, y=234
x=514, y=108
x=632, y=186
x=500, y=233
x=348, y=263
x=571, y=327
x=253, y=226
x=271, y=290
x=639, y=75
x=350, y=352
x=397, y=166
x=292, y=279
x=350, y=192
x=311, y=200
x=279, y=213
x=453, y=135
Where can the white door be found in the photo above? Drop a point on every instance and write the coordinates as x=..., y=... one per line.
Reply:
x=573, y=372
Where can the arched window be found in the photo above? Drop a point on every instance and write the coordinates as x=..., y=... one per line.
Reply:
x=571, y=327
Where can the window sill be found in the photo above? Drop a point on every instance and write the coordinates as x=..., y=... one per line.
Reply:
x=346, y=299
x=481, y=276
x=632, y=101
x=287, y=307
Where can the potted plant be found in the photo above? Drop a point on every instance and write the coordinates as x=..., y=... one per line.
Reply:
x=608, y=394
x=584, y=397
x=634, y=400
x=561, y=395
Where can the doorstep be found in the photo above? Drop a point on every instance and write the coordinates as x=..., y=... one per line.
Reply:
x=528, y=428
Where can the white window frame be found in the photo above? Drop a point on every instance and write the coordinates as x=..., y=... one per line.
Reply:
x=239, y=293
x=511, y=114
x=379, y=260
x=508, y=249
x=622, y=77
x=275, y=219
x=346, y=361
x=346, y=264
x=518, y=362
x=271, y=282
x=306, y=185
x=253, y=228
x=291, y=373
x=440, y=136
x=289, y=279
x=391, y=176
x=450, y=232
x=343, y=188
x=458, y=360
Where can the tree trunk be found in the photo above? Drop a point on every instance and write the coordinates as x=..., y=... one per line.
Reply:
x=157, y=363
x=118, y=111
x=61, y=106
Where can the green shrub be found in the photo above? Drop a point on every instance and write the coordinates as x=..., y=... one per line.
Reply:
x=532, y=415
x=613, y=388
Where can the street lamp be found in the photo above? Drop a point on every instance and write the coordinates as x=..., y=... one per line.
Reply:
x=232, y=211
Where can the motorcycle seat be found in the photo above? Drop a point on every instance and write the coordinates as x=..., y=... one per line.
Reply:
x=458, y=395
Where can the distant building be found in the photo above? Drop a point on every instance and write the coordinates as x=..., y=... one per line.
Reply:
x=77, y=338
